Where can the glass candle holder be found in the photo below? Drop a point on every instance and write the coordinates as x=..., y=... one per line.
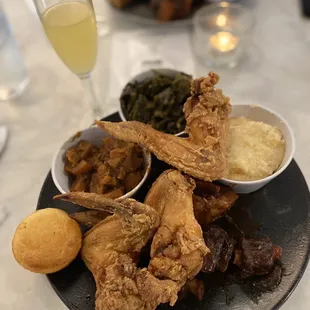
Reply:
x=221, y=33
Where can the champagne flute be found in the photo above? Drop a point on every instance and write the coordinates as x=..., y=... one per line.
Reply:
x=102, y=24
x=70, y=26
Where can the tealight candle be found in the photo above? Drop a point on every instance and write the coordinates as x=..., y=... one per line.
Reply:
x=221, y=34
x=224, y=41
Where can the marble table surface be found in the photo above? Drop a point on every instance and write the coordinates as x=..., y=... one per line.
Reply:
x=277, y=74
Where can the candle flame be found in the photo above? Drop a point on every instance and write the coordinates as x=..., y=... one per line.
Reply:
x=224, y=41
x=221, y=20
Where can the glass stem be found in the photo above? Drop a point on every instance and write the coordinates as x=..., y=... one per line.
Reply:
x=91, y=97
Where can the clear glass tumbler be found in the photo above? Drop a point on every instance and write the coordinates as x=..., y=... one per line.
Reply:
x=13, y=73
x=220, y=34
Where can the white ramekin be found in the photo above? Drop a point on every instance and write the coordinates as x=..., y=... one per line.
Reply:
x=260, y=113
x=94, y=135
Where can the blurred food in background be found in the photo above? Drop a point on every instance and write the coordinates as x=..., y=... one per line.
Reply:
x=164, y=10
x=121, y=3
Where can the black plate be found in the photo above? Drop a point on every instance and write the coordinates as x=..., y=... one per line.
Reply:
x=280, y=211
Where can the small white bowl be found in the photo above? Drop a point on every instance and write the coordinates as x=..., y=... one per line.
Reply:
x=94, y=135
x=146, y=75
x=263, y=114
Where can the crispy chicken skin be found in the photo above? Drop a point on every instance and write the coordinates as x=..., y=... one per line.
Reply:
x=90, y=218
x=206, y=112
x=111, y=248
x=178, y=246
x=203, y=154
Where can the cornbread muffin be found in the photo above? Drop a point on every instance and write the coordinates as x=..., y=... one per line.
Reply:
x=255, y=149
x=47, y=241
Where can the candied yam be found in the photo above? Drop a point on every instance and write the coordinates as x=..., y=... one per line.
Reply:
x=114, y=162
x=117, y=156
x=95, y=185
x=131, y=180
x=94, y=159
x=138, y=150
x=68, y=168
x=109, y=181
x=85, y=149
x=109, y=143
x=72, y=156
x=104, y=170
x=80, y=184
x=82, y=167
x=114, y=193
x=103, y=154
x=120, y=173
x=133, y=163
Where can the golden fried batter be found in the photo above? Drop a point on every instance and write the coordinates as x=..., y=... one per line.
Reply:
x=178, y=246
x=110, y=250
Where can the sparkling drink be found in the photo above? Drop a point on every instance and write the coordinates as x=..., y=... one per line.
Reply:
x=71, y=29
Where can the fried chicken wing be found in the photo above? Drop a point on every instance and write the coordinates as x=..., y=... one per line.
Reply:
x=206, y=112
x=178, y=246
x=203, y=153
x=111, y=248
x=90, y=218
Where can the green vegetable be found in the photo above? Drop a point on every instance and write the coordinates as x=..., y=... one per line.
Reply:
x=157, y=101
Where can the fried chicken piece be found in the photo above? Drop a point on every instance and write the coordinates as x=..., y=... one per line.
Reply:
x=123, y=286
x=178, y=247
x=206, y=188
x=212, y=201
x=110, y=251
x=203, y=154
x=127, y=231
x=206, y=112
x=90, y=218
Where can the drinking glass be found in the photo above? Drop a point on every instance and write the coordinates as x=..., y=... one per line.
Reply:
x=13, y=73
x=70, y=26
